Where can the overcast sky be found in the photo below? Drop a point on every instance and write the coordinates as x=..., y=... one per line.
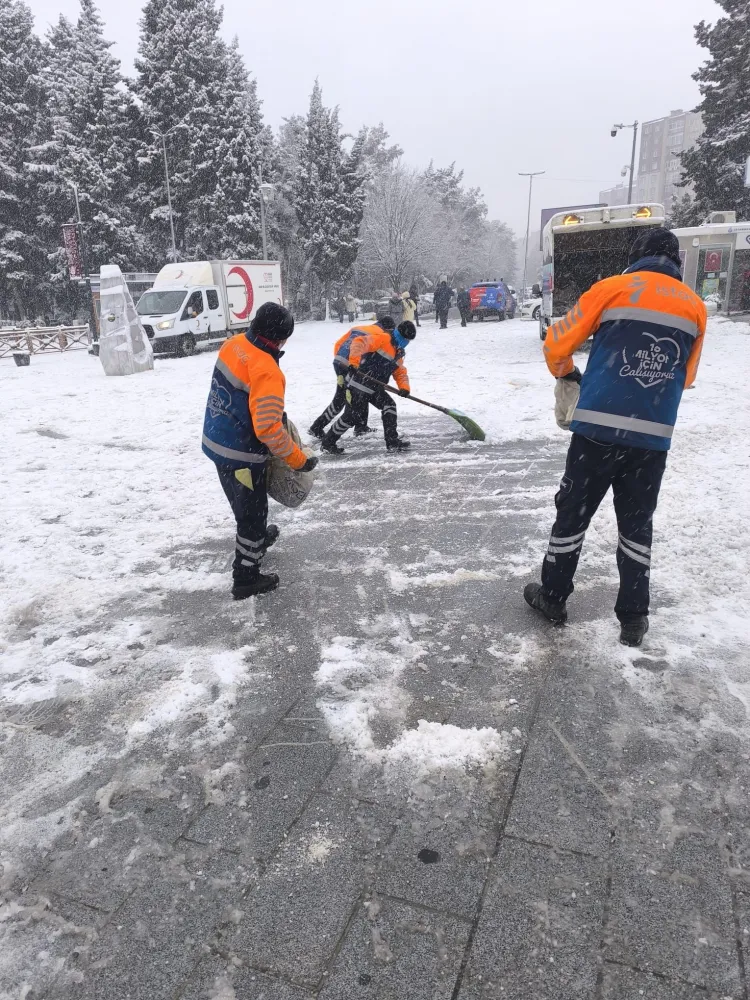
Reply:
x=497, y=87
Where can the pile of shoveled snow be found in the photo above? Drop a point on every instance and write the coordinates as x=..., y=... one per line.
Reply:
x=360, y=683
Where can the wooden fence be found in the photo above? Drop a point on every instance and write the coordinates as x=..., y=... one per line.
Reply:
x=43, y=339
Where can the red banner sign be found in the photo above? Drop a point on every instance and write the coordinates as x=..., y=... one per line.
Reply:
x=72, y=241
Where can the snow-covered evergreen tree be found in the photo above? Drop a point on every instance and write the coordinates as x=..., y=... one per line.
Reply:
x=329, y=196
x=22, y=102
x=716, y=164
x=236, y=230
x=89, y=146
x=180, y=86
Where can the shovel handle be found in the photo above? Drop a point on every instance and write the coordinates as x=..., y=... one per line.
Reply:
x=395, y=392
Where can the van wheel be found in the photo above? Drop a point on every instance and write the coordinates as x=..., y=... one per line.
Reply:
x=501, y=316
x=187, y=346
x=542, y=329
x=537, y=313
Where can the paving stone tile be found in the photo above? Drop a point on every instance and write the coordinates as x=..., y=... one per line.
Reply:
x=101, y=869
x=303, y=899
x=398, y=952
x=622, y=983
x=440, y=853
x=218, y=978
x=256, y=801
x=161, y=932
x=678, y=923
x=539, y=929
x=42, y=940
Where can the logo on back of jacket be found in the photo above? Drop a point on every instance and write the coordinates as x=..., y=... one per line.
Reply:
x=219, y=399
x=656, y=358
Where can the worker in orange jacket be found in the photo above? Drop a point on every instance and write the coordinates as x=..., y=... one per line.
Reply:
x=377, y=354
x=341, y=350
x=243, y=426
x=648, y=330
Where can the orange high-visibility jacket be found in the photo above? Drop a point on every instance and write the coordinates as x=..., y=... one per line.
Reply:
x=343, y=345
x=245, y=409
x=374, y=353
x=648, y=332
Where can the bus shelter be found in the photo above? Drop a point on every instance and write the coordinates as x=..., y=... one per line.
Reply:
x=716, y=264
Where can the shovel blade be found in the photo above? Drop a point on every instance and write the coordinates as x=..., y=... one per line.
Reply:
x=472, y=428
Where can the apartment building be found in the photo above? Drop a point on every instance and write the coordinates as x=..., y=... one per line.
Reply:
x=659, y=168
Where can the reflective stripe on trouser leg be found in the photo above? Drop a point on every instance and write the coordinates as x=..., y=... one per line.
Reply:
x=335, y=407
x=636, y=492
x=352, y=416
x=250, y=509
x=389, y=415
x=582, y=488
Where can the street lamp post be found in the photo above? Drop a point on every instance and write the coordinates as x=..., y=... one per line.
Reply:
x=266, y=195
x=615, y=129
x=163, y=137
x=531, y=177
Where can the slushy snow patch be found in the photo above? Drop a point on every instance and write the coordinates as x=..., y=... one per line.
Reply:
x=436, y=746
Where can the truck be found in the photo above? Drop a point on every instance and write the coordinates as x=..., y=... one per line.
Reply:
x=200, y=303
x=489, y=298
x=581, y=247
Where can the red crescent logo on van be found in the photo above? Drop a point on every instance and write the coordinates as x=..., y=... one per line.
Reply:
x=248, y=292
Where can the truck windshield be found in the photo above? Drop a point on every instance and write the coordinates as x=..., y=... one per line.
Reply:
x=585, y=257
x=158, y=303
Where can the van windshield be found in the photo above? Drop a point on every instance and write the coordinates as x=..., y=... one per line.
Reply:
x=158, y=303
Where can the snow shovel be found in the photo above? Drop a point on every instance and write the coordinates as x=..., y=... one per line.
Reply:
x=472, y=428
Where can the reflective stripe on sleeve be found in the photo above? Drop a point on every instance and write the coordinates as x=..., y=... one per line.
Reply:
x=236, y=456
x=624, y=423
x=651, y=316
x=229, y=375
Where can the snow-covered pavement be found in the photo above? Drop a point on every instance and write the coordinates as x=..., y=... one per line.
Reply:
x=246, y=792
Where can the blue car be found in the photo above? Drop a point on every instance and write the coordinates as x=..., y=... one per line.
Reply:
x=490, y=298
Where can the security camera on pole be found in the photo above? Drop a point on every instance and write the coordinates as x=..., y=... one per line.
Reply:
x=613, y=133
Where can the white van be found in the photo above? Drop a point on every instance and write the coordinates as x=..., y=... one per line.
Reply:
x=200, y=303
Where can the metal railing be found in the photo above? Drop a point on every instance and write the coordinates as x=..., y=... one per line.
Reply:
x=43, y=339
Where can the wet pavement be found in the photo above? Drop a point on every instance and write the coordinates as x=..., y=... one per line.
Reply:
x=602, y=854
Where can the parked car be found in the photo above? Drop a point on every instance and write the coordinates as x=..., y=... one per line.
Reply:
x=532, y=309
x=489, y=298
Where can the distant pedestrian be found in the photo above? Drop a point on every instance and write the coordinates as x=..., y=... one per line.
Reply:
x=351, y=307
x=463, y=301
x=414, y=296
x=340, y=306
x=443, y=296
x=648, y=330
x=409, y=306
x=396, y=307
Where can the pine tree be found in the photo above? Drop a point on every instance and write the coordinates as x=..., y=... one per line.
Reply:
x=716, y=165
x=329, y=195
x=180, y=85
x=90, y=148
x=22, y=112
x=236, y=228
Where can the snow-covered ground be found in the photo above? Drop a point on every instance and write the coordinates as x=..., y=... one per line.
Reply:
x=102, y=477
x=107, y=498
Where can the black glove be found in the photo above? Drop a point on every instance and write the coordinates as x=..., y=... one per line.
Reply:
x=574, y=376
x=310, y=464
x=404, y=392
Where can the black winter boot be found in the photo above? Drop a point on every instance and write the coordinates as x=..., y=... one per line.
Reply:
x=252, y=584
x=633, y=629
x=555, y=611
x=272, y=535
x=317, y=430
x=359, y=431
x=329, y=444
x=398, y=445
